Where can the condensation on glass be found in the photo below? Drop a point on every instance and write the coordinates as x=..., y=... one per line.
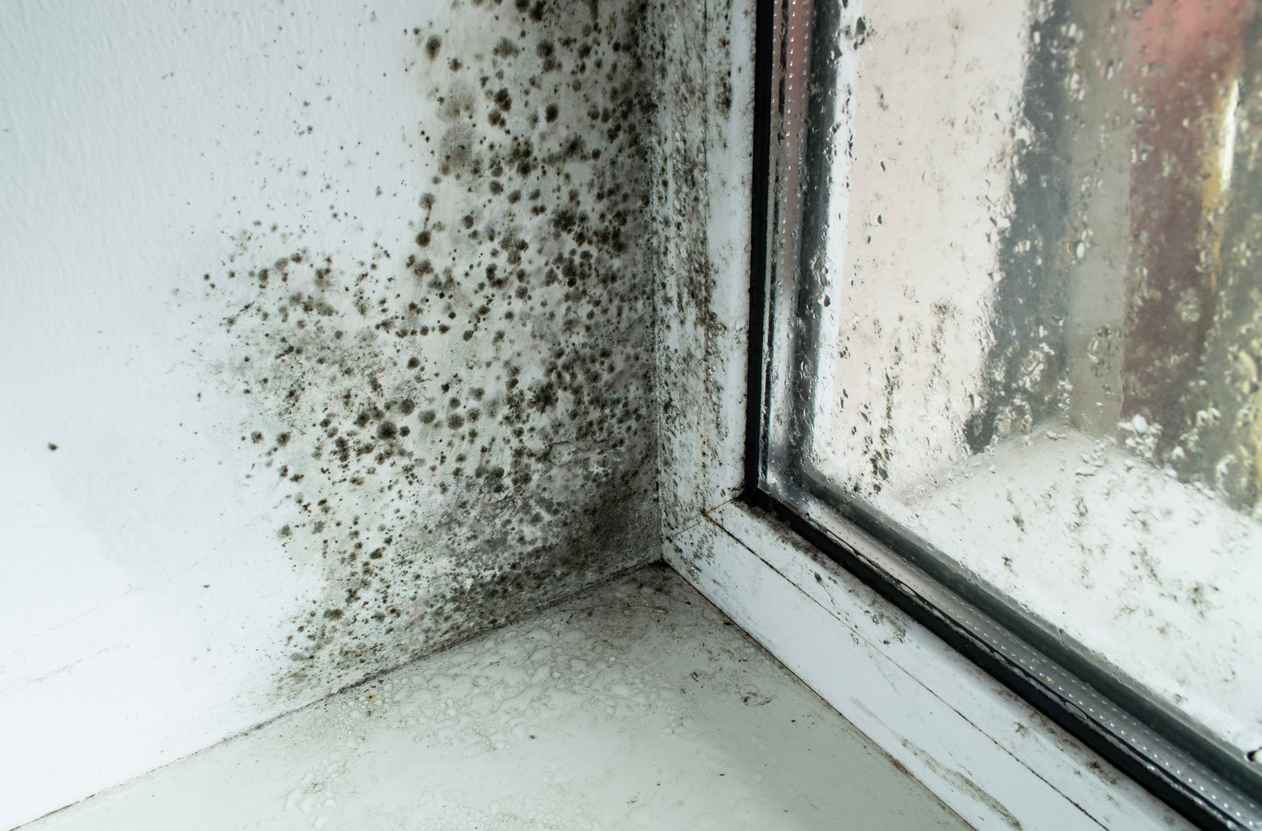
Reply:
x=1017, y=310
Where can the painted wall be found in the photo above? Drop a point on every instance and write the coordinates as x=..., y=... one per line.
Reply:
x=327, y=341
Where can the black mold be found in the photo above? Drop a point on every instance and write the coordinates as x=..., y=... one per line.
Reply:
x=468, y=421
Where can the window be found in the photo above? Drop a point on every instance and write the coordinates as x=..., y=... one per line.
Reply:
x=1013, y=329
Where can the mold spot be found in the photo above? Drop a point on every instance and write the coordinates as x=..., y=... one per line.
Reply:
x=461, y=436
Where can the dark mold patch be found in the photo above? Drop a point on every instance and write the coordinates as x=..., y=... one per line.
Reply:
x=466, y=423
x=693, y=93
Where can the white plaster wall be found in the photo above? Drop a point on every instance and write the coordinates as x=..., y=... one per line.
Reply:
x=145, y=596
x=140, y=572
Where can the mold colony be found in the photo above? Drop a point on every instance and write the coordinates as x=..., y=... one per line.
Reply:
x=462, y=427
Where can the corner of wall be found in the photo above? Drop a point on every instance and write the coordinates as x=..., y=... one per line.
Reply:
x=700, y=201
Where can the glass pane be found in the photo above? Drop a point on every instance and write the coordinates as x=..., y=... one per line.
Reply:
x=1022, y=315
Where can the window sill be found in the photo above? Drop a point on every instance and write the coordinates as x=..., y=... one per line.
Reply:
x=987, y=754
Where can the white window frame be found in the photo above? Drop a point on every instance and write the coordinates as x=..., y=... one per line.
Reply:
x=984, y=751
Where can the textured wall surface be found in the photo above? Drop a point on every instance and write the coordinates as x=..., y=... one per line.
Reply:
x=704, y=157
x=328, y=341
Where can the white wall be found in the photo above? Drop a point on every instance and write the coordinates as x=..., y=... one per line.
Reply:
x=162, y=583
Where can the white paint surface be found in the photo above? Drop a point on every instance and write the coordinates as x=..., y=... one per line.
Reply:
x=635, y=707
x=145, y=597
x=142, y=589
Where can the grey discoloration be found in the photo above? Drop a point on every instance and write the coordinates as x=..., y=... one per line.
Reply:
x=460, y=427
x=694, y=343
x=966, y=784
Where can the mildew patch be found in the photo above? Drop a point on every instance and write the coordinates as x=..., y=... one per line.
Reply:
x=693, y=76
x=461, y=424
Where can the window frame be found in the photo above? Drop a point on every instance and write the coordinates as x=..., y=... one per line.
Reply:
x=1149, y=740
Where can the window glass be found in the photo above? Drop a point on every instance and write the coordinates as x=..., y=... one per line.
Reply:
x=1017, y=310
